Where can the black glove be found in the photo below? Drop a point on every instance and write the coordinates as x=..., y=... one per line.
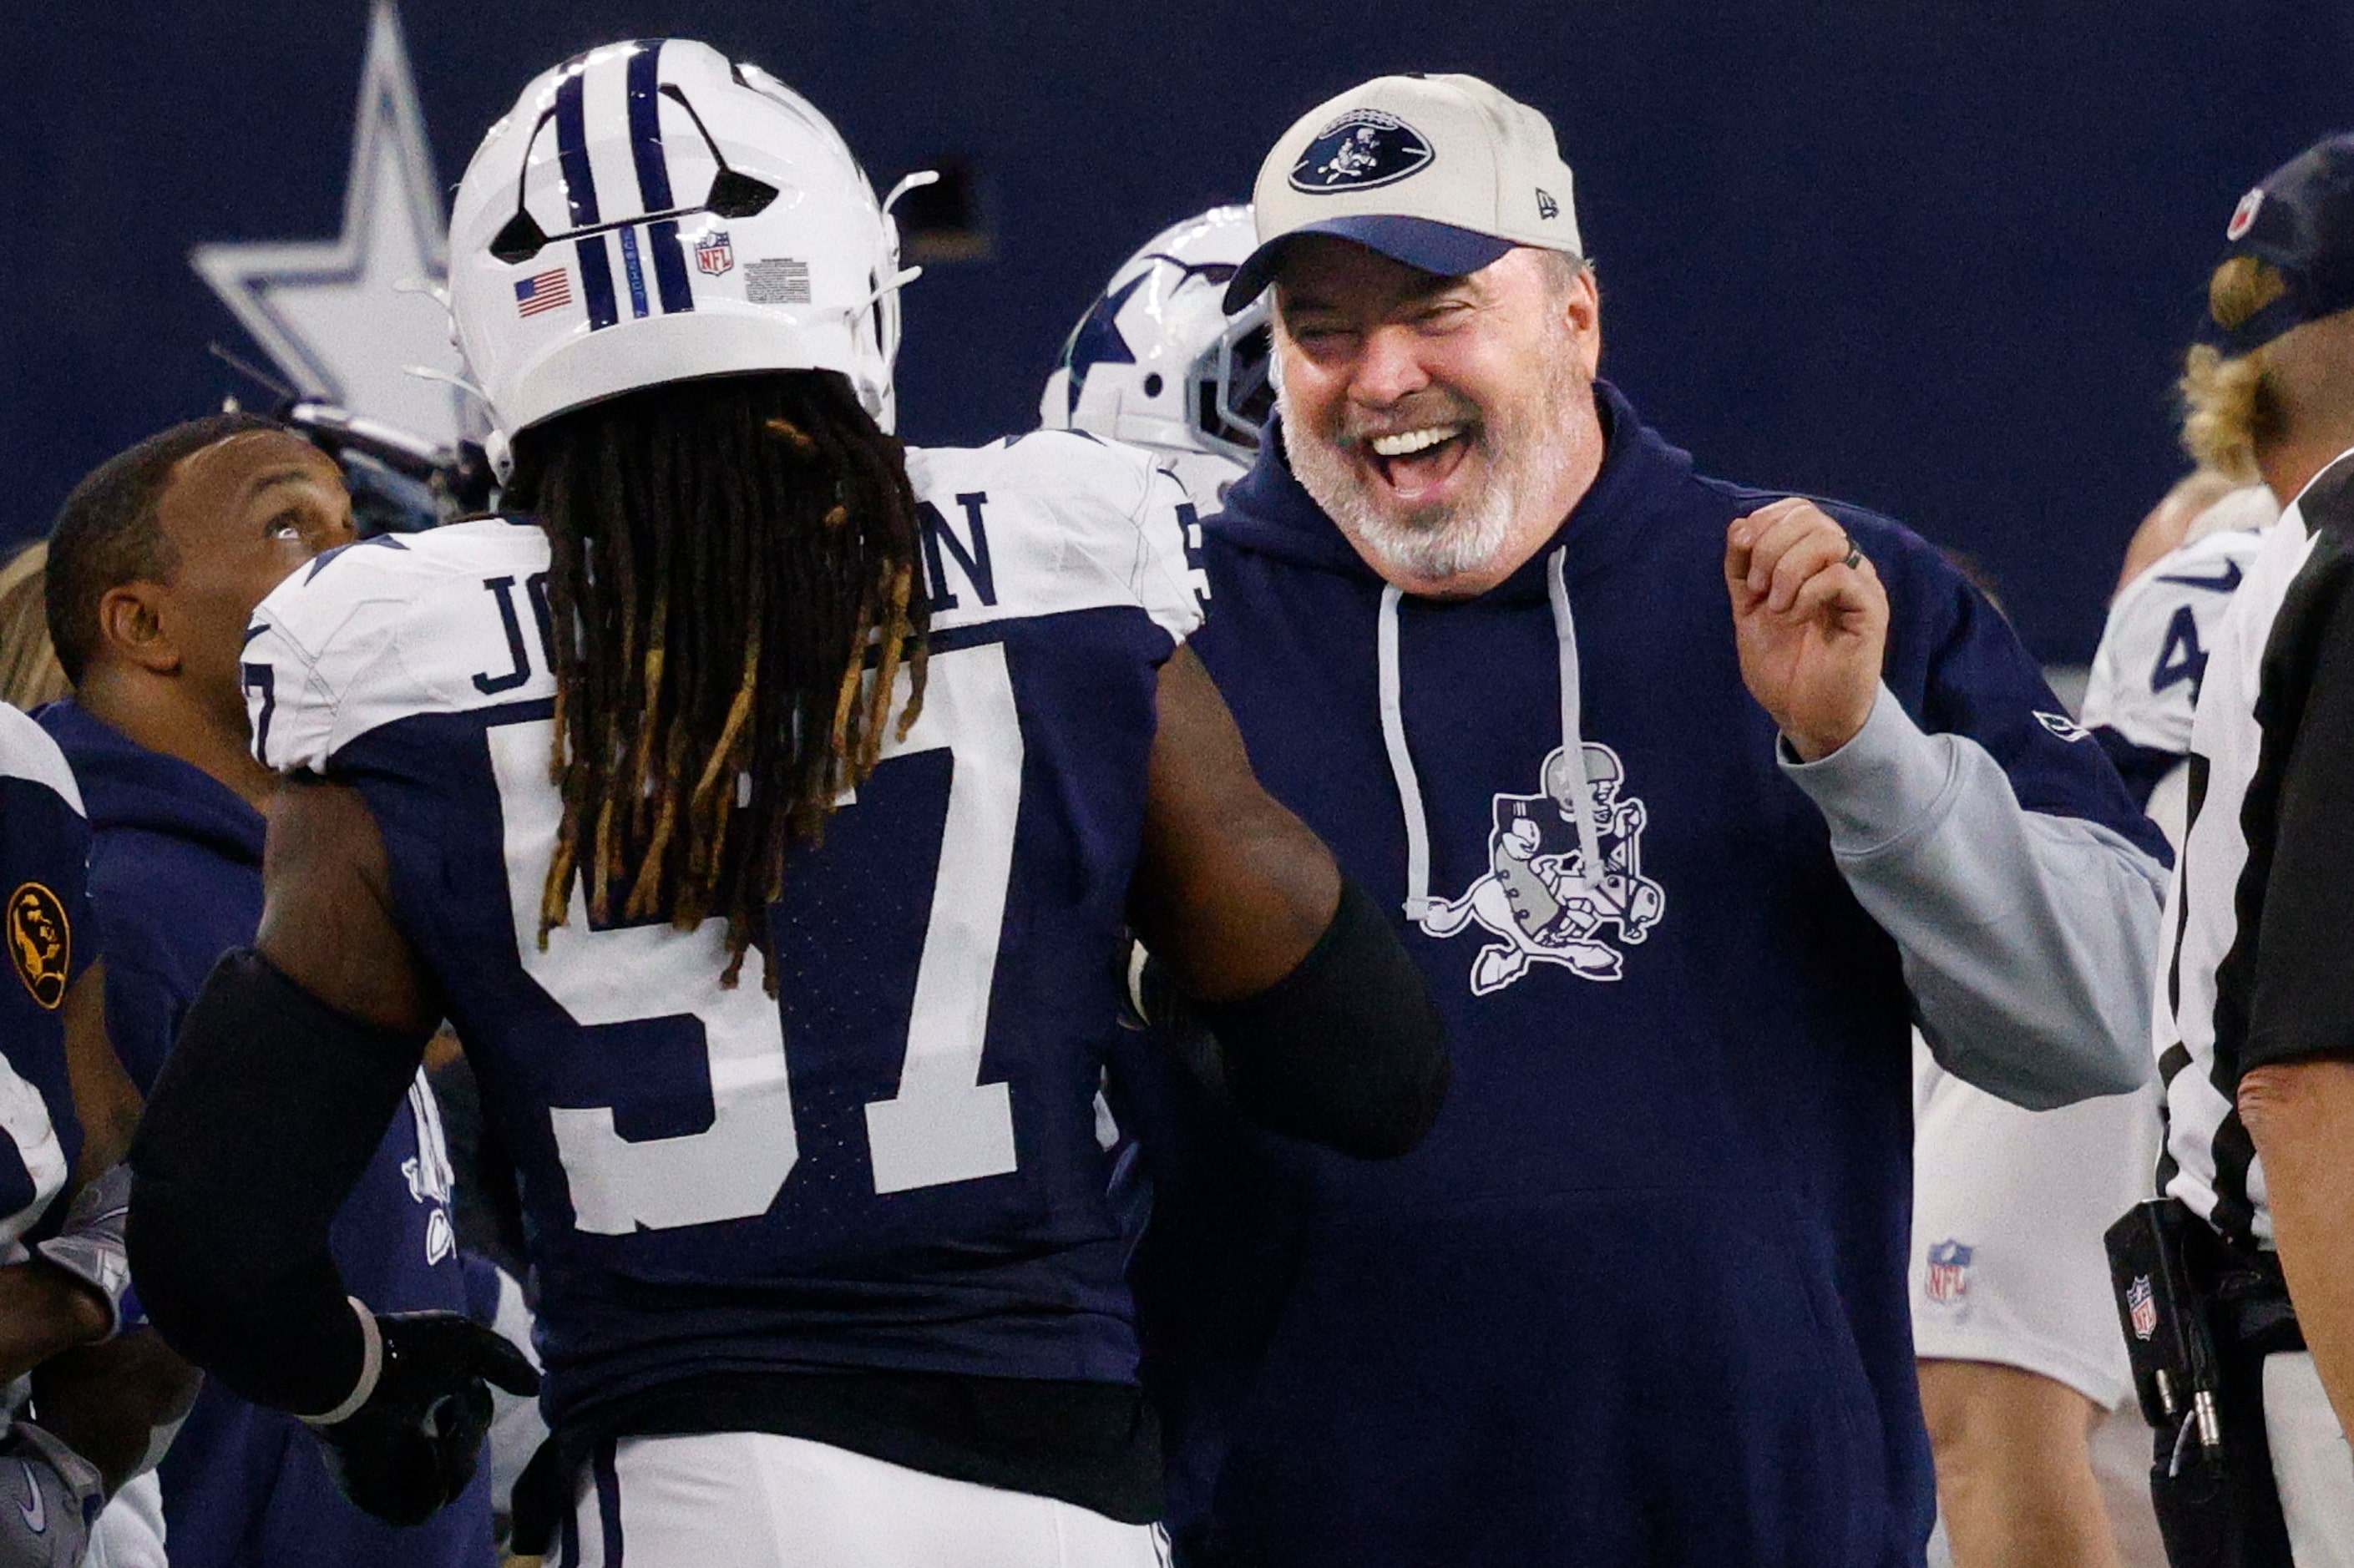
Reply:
x=412, y=1443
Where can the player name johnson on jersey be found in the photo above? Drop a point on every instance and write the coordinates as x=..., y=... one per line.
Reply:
x=891, y=1164
x=2260, y=673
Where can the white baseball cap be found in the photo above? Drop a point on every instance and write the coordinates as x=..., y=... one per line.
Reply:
x=1444, y=172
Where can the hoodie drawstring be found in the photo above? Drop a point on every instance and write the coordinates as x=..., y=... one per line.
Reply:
x=1573, y=732
x=1573, y=742
x=1409, y=788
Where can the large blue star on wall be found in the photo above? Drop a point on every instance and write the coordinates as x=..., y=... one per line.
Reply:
x=343, y=319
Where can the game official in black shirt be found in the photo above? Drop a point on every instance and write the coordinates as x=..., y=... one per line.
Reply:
x=2256, y=1010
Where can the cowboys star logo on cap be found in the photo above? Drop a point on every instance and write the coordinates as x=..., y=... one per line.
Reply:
x=2245, y=215
x=40, y=941
x=1363, y=149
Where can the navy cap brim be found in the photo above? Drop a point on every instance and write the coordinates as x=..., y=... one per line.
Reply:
x=1440, y=248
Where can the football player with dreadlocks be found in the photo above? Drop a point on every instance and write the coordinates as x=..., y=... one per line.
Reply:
x=765, y=808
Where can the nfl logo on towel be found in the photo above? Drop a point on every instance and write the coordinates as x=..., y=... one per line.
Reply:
x=714, y=253
x=1950, y=1272
x=545, y=291
x=2141, y=1306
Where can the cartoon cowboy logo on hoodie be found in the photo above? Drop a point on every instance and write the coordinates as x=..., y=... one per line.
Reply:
x=1538, y=896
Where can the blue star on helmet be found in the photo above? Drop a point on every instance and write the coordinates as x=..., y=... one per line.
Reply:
x=1097, y=340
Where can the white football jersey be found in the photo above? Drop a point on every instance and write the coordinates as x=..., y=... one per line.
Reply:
x=2153, y=654
x=2152, y=661
x=397, y=625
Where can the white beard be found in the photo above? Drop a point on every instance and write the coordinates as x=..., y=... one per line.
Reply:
x=1527, y=454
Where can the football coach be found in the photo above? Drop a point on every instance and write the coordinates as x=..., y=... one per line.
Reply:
x=1691, y=798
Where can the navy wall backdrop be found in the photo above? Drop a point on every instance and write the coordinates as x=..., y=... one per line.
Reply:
x=1939, y=258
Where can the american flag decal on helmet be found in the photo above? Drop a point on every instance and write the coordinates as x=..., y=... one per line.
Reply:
x=543, y=291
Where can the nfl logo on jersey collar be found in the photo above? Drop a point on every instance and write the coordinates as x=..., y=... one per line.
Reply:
x=1443, y=173
x=1950, y=1272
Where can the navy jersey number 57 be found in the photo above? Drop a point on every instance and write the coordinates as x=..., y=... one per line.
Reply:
x=942, y=1125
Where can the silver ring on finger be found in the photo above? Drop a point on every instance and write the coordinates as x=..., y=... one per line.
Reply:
x=1854, y=553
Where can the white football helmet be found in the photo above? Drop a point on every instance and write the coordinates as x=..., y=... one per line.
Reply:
x=1157, y=362
x=648, y=212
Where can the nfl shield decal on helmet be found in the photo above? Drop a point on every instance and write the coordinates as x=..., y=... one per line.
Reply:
x=1950, y=1272
x=1363, y=149
x=715, y=254
x=2141, y=1306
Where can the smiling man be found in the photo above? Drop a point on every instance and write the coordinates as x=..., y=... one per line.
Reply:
x=1689, y=798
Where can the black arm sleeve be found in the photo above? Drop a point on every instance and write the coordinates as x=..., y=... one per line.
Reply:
x=1346, y=1050
x=266, y=1113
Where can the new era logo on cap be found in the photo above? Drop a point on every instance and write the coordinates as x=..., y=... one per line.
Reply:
x=1362, y=150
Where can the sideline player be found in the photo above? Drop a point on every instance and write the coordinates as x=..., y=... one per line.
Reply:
x=805, y=1126
x=2152, y=659
x=2013, y=1322
x=1157, y=363
x=156, y=562
x=61, y=1287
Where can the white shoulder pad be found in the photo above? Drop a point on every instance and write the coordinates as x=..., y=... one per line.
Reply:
x=1055, y=521
x=2153, y=655
x=442, y=621
x=28, y=752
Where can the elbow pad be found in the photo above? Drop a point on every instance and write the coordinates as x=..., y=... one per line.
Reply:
x=264, y=1117
x=1347, y=1050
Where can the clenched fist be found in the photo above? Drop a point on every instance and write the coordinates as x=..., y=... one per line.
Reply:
x=1810, y=628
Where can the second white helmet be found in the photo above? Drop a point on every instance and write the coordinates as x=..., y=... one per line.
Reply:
x=1157, y=362
x=650, y=212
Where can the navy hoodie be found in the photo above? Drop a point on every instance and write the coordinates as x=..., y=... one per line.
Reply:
x=175, y=882
x=1640, y=1298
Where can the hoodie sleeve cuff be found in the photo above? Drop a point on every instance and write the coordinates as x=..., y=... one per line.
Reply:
x=1887, y=782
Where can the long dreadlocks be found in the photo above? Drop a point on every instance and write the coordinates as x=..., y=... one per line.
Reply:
x=732, y=592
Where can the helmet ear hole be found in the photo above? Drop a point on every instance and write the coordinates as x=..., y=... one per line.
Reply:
x=520, y=240
x=1152, y=384
x=737, y=194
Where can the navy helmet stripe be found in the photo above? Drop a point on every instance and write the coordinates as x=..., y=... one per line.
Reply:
x=645, y=127
x=653, y=175
x=670, y=265
x=596, y=279
x=572, y=149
